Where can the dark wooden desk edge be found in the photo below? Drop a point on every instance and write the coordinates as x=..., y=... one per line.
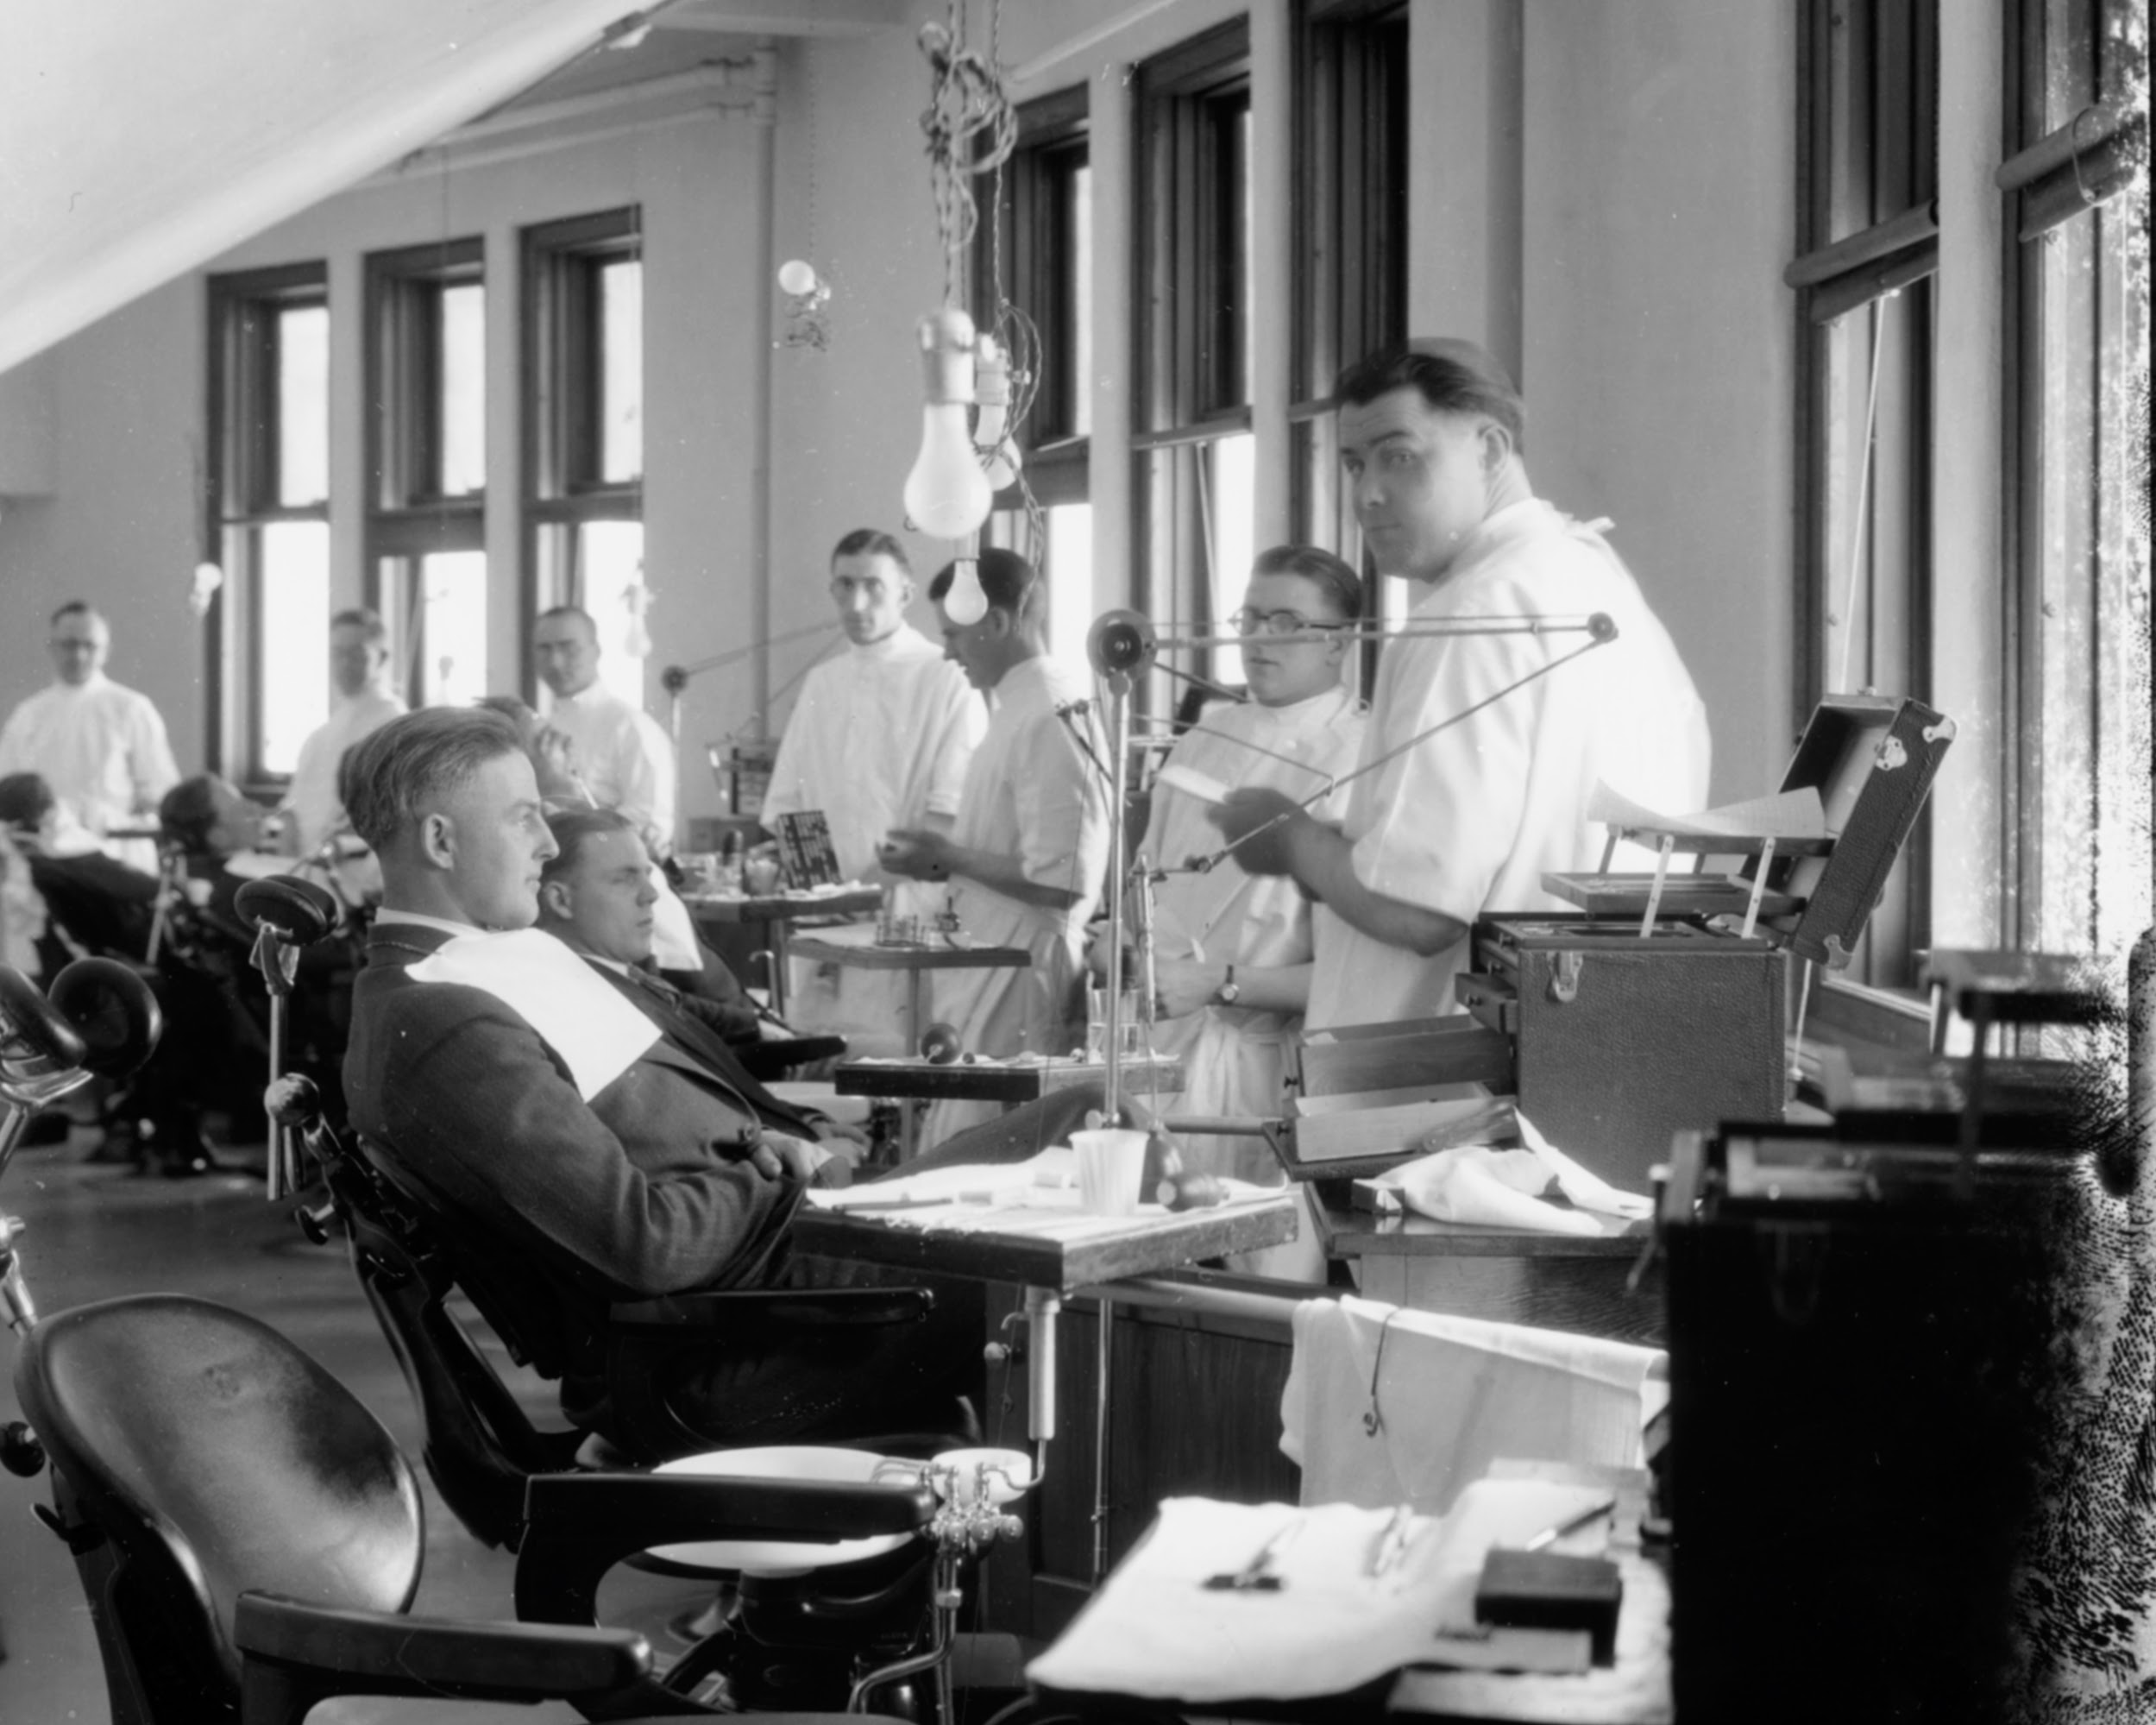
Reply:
x=1061, y=1267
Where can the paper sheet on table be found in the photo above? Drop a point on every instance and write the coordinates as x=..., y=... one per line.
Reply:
x=1038, y=1197
x=1453, y=1394
x=1154, y=1629
x=1479, y=1185
x=1786, y=815
x=597, y=1033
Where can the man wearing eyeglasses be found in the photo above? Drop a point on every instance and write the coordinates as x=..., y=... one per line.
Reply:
x=1447, y=824
x=879, y=738
x=1233, y=950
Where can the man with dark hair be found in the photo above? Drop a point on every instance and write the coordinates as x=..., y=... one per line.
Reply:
x=1233, y=950
x=101, y=746
x=528, y=1094
x=879, y=738
x=616, y=749
x=596, y=895
x=1449, y=826
x=361, y=703
x=1028, y=855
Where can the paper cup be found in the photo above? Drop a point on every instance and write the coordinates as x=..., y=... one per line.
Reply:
x=1111, y=1165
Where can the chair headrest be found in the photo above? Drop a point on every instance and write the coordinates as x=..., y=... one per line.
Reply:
x=113, y=1012
x=35, y=1039
x=298, y=911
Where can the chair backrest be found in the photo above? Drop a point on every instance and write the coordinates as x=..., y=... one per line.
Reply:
x=197, y=1454
x=480, y=1445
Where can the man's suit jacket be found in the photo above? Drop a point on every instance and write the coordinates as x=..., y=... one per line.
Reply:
x=693, y=1036
x=646, y=1191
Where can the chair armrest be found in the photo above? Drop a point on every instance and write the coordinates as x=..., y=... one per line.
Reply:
x=294, y=1654
x=762, y=1310
x=773, y=1058
x=578, y=1525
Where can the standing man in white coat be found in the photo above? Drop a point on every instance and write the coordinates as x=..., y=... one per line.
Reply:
x=1233, y=950
x=101, y=746
x=1027, y=859
x=616, y=749
x=1467, y=820
x=363, y=703
x=880, y=738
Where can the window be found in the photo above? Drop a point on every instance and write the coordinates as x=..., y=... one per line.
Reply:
x=270, y=477
x=1868, y=72
x=426, y=367
x=1195, y=485
x=1350, y=224
x=2076, y=297
x=1038, y=255
x=584, y=330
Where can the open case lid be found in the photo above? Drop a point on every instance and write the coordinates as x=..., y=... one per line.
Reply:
x=1872, y=761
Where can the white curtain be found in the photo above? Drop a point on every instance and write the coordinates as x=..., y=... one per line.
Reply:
x=141, y=138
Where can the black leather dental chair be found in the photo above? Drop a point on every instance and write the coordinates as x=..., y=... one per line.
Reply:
x=250, y=1539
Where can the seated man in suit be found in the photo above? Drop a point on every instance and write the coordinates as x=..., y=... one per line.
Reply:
x=526, y=1093
x=596, y=895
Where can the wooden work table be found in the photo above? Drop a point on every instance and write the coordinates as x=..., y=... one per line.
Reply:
x=1591, y=1284
x=1153, y=1241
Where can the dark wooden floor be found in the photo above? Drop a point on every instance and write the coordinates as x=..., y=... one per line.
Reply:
x=96, y=1232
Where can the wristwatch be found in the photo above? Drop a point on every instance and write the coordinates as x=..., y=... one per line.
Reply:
x=1229, y=990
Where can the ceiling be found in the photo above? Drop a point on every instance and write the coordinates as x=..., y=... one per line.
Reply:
x=139, y=141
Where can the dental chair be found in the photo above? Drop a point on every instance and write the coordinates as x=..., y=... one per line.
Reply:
x=248, y=1536
x=493, y=1464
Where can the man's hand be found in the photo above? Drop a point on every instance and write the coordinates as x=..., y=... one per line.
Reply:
x=1263, y=825
x=917, y=853
x=555, y=763
x=1182, y=986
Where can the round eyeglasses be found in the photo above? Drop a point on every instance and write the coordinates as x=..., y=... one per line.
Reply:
x=1248, y=622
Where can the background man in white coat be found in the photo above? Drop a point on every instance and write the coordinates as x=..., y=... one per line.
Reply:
x=1469, y=821
x=100, y=746
x=1028, y=856
x=616, y=748
x=362, y=704
x=879, y=738
x=1233, y=950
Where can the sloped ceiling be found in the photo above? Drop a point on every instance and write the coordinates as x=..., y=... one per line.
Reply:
x=141, y=138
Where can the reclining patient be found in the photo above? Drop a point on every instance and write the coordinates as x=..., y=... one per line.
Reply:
x=532, y=1096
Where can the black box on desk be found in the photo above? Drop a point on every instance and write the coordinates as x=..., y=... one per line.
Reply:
x=1662, y=1005
x=1857, y=1372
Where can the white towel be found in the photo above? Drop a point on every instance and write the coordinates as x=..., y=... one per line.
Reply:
x=1454, y=1394
x=598, y=1033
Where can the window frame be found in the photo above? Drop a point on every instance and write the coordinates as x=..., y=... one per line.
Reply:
x=241, y=488
x=1191, y=286
x=408, y=517
x=562, y=487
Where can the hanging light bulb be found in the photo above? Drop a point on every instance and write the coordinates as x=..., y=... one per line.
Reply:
x=946, y=493
x=1003, y=464
x=990, y=429
x=966, y=603
x=799, y=278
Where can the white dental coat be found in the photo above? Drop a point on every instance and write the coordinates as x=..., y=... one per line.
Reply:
x=1469, y=821
x=1031, y=792
x=879, y=738
x=1235, y=1057
x=101, y=747
x=624, y=757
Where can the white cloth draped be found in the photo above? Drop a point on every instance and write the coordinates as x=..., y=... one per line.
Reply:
x=1469, y=821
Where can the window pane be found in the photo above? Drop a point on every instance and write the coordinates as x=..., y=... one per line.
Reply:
x=463, y=404
x=610, y=567
x=453, y=628
x=1231, y=491
x=1070, y=569
x=1080, y=253
x=621, y=372
x=303, y=405
x=292, y=562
